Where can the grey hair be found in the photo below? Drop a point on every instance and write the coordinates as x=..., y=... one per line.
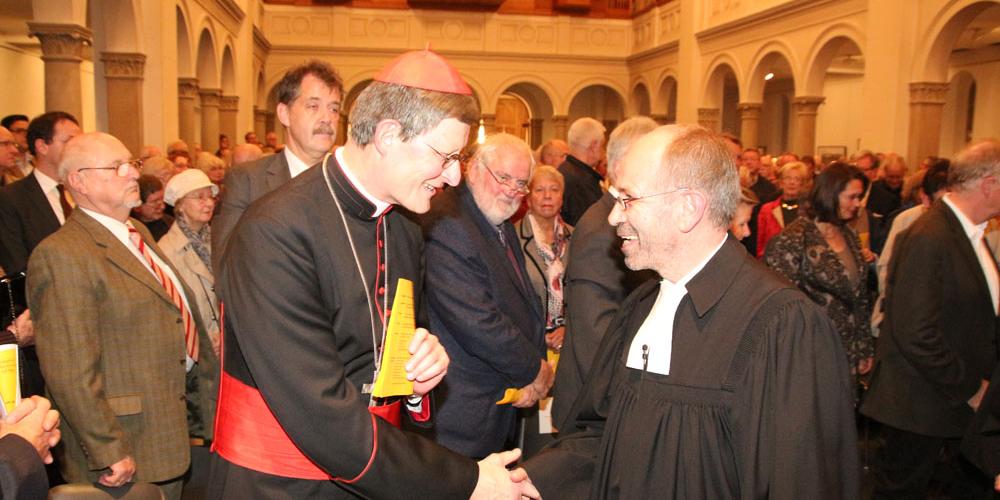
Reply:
x=416, y=110
x=583, y=132
x=622, y=138
x=547, y=171
x=699, y=159
x=488, y=151
x=976, y=161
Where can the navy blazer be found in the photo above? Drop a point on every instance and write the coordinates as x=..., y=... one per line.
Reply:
x=488, y=318
x=939, y=336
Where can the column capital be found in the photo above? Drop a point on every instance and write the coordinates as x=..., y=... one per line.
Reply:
x=61, y=42
x=187, y=88
x=210, y=97
x=749, y=107
x=229, y=103
x=709, y=114
x=807, y=105
x=261, y=112
x=928, y=92
x=125, y=65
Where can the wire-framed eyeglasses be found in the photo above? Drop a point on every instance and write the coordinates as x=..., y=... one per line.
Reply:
x=626, y=201
x=447, y=159
x=518, y=187
x=121, y=170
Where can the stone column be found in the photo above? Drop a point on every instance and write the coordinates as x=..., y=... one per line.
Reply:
x=661, y=119
x=709, y=118
x=749, y=123
x=62, y=51
x=123, y=79
x=210, y=119
x=229, y=105
x=260, y=123
x=561, y=126
x=489, y=123
x=187, y=118
x=804, y=128
x=926, y=107
x=537, y=124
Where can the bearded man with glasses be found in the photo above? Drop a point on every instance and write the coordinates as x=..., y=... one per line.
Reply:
x=481, y=301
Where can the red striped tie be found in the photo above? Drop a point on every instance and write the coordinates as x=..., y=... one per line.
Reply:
x=190, y=337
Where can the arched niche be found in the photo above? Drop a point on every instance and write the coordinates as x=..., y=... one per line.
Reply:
x=208, y=66
x=539, y=107
x=639, y=102
x=184, y=66
x=668, y=98
x=600, y=102
x=228, y=72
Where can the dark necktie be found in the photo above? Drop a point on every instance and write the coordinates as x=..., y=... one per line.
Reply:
x=66, y=207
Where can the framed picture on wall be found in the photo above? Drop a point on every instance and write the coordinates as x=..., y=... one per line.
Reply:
x=831, y=153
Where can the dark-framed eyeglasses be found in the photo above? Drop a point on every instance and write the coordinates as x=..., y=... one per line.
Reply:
x=447, y=159
x=519, y=187
x=626, y=201
x=123, y=169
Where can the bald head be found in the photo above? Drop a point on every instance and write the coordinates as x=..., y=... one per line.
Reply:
x=246, y=153
x=554, y=152
x=90, y=167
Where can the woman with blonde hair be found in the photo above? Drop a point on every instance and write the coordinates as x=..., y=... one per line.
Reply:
x=213, y=166
x=775, y=215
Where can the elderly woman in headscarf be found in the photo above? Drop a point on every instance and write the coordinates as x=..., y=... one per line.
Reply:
x=545, y=241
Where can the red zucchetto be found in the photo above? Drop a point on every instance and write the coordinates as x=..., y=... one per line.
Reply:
x=425, y=70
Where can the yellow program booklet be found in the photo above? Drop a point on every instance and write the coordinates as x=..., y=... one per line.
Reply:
x=10, y=386
x=391, y=379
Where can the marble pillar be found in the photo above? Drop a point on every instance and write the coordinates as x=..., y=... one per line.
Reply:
x=926, y=107
x=804, y=129
x=62, y=52
x=187, y=118
x=749, y=123
x=210, y=119
x=229, y=106
x=123, y=75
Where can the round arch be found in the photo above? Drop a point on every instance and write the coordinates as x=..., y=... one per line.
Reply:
x=639, y=103
x=477, y=91
x=773, y=57
x=540, y=108
x=833, y=41
x=599, y=101
x=931, y=61
x=664, y=100
x=207, y=69
x=721, y=66
x=592, y=82
x=529, y=83
x=185, y=68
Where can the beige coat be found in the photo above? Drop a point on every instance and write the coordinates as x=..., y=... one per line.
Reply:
x=112, y=352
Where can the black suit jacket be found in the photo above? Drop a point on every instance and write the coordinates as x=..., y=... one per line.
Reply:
x=583, y=188
x=244, y=184
x=488, y=319
x=938, y=338
x=26, y=218
x=596, y=283
x=22, y=473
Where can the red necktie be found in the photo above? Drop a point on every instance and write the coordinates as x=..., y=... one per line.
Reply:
x=66, y=207
x=190, y=337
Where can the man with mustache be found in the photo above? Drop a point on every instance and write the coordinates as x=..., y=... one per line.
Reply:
x=309, y=108
x=116, y=331
x=482, y=303
x=720, y=380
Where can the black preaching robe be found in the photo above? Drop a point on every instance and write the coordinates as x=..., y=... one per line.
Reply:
x=757, y=403
x=297, y=328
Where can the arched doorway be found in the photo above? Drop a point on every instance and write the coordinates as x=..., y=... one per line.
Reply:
x=836, y=74
x=208, y=91
x=600, y=102
x=538, y=106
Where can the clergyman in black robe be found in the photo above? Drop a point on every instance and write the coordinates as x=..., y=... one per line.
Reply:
x=750, y=396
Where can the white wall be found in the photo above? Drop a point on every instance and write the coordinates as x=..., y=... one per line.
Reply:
x=25, y=94
x=838, y=121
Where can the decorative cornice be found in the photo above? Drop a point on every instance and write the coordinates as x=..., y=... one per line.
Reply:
x=757, y=19
x=749, y=110
x=61, y=42
x=709, y=114
x=928, y=93
x=229, y=103
x=233, y=9
x=807, y=105
x=210, y=97
x=260, y=40
x=123, y=65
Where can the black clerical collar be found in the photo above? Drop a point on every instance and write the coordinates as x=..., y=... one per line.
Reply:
x=707, y=287
x=352, y=200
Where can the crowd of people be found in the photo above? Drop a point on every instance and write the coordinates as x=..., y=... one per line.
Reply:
x=648, y=311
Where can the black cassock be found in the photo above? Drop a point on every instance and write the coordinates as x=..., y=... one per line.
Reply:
x=757, y=403
x=297, y=329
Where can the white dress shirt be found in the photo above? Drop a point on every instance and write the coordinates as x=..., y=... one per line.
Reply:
x=50, y=187
x=120, y=230
x=975, y=233
x=295, y=165
x=652, y=345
